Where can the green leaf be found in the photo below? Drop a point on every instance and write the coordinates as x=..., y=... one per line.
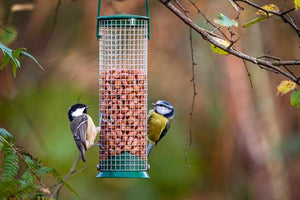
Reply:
x=268, y=7
x=219, y=50
x=6, y=50
x=225, y=21
x=13, y=56
x=285, y=87
x=254, y=21
x=9, y=52
x=8, y=34
x=25, y=53
x=6, y=135
x=5, y=60
x=15, y=62
x=295, y=99
x=10, y=163
x=297, y=4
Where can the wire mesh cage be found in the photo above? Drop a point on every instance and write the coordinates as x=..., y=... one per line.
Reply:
x=123, y=46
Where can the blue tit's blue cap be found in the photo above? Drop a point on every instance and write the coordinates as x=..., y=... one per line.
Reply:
x=163, y=103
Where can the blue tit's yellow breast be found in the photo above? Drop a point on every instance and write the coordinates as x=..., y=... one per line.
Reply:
x=157, y=124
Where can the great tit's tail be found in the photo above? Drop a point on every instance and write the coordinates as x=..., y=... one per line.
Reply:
x=82, y=152
x=149, y=149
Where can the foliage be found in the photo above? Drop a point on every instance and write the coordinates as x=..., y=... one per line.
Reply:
x=225, y=21
x=295, y=99
x=21, y=174
x=219, y=50
x=12, y=56
x=297, y=4
x=268, y=7
x=8, y=34
x=262, y=15
x=285, y=87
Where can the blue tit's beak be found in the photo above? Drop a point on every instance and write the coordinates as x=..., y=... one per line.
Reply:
x=153, y=104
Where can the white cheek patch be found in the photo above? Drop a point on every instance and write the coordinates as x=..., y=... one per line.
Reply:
x=78, y=112
x=162, y=110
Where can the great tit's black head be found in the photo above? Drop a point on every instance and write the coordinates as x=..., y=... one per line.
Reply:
x=77, y=110
x=164, y=108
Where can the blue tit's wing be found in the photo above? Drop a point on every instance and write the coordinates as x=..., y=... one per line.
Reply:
x=156, y=127
x=149, y=117
x=164, y=132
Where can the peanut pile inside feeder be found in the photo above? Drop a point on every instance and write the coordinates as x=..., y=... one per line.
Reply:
x=123, y=103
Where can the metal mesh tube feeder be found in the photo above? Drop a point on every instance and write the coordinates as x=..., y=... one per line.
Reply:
x=123, y=52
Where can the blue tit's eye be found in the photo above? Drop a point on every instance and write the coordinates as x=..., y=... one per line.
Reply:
x=163, y=110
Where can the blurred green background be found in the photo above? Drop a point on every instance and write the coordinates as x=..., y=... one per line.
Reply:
x=246, y=141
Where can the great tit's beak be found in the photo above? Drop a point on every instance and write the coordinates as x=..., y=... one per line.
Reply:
x=88, y=107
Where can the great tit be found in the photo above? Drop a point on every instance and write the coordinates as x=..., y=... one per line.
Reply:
x=83, y=128
x=159, y=121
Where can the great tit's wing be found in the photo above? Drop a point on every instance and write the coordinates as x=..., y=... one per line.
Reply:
x=80, y=134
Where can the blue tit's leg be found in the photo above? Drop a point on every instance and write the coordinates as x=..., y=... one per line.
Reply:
x=149, y=149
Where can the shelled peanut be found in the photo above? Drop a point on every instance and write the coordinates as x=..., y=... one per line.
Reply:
x=123, y=102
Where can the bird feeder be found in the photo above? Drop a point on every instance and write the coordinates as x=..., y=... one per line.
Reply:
x=123, y=43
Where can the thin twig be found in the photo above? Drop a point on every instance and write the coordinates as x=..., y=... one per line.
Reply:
x=278, y=59
x=207, y=20
x=249, y=75
x=71, y=172
x=190, y=135
x=189, y=139
x=5, y=29
x=290, y=71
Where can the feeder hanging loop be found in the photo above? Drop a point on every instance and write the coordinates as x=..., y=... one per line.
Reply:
x=99, y=17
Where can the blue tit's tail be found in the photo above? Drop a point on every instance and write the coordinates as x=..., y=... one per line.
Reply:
x=149, y=149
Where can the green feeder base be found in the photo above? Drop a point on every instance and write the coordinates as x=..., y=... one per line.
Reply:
x=119, y=174
x=124, y=165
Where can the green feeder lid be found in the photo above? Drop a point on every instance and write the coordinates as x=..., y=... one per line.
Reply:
x=115, y=20
x=122, y=16
x=122, y=20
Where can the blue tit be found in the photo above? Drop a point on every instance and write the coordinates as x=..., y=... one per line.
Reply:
x=83, y=128
x=159, y=121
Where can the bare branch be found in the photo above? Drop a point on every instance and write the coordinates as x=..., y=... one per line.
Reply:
x=280, y=14
x=272, y=66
